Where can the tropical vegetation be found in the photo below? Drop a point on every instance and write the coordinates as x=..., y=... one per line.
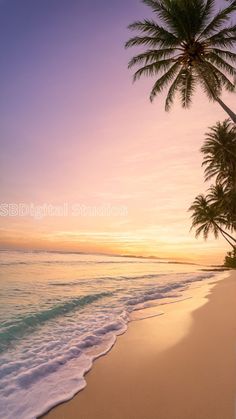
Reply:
x=230, y=259
x=187, y=43
x=215, y=212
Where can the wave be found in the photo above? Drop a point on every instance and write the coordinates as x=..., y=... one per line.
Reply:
x=75, y=262
x=61, y=366
x=26, y=378
x=13, y=331
x=67, y=371
x=163, y=291
x=80, y=281
x=17, y=328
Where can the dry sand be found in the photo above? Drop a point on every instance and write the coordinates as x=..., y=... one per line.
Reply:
x=181, y=365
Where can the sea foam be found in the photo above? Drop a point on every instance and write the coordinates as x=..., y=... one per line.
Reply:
x=56, y=321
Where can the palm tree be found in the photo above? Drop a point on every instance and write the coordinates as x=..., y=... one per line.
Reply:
x=231, y=1
x=230, y=259
x=223, y=199
x=187, y=45
x=206, y=220
x=219, y=150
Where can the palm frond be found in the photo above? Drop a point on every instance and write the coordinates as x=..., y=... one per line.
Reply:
x=164, y=80
x=149, y=41
x=222, y=64
x=187, y=88
x=218, y=74
x=152, y=28
x=150, y=56
x=153, y=68
x=202, y=229
x=209, y=82
x=224, y=54
x=171, y=14
x=198, y=14
x=223, y=38
x=191, y=36
x=207, y=13
x=219, y=151
x=221, y=17
x=206, y=217
x=173, y=90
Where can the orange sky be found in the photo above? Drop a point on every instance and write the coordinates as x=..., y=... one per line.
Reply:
x=78, y=131
x=147, y=161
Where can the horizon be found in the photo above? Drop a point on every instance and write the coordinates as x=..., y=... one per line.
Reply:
x=151, y=257
x=75, y=130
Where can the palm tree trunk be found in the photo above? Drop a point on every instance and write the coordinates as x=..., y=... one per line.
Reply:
x=227, y=240
x=231, y=114
x=224, y=232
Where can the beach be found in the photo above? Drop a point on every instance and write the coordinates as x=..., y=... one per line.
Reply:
x=118, y=211
x=178, y=365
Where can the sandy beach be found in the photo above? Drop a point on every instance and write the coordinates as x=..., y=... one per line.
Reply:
x=118, y=211
x=179, y=365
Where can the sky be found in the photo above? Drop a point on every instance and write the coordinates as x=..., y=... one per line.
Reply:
x=76, y=132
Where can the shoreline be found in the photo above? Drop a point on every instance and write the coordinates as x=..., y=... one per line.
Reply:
x=180, y=364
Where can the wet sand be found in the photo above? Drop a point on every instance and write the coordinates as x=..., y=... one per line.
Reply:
x=180, y=365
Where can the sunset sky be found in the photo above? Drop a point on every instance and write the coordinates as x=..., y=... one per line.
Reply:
x=75, y=130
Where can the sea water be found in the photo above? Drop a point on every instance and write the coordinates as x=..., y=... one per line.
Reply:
x=60, y=311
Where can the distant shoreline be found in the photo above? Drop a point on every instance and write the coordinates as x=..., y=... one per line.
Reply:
x=159, y=259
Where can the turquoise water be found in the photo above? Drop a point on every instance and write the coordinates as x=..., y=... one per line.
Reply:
x=59, y=311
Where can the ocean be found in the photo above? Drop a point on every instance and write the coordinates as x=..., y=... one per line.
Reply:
x=61, y=311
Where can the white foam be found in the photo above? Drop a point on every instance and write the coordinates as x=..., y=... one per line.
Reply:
x=49, y=366
x=32, y=391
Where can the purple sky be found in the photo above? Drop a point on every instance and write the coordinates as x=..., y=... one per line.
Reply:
x=75, y=129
